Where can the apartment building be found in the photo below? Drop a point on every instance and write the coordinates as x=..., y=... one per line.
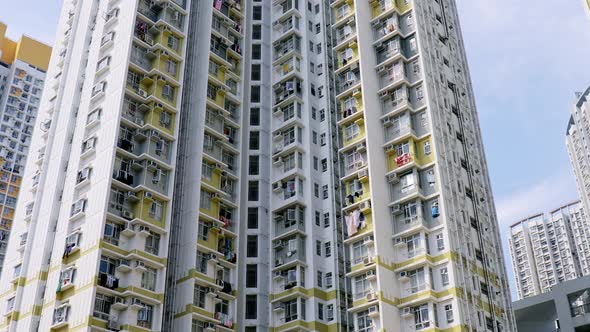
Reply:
x=23, y=65
x=549, y=249
x=222, y=150
x=421, y=228
x=95, y=210
x=576, y=141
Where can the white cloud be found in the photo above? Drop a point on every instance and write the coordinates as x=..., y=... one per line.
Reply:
x=549, y=193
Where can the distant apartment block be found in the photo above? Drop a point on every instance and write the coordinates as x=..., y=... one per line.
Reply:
x=547, y=249
x=23, y=64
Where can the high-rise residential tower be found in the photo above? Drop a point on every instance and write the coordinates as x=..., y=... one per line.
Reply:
x=252, y=165
x=421, y=231
x=23, y=65
x=550, y=249
x=576, y=141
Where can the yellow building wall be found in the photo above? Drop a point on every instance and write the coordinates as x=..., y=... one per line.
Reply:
x=26, y=49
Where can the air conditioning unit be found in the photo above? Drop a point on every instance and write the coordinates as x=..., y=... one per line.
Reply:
x=386, y=122
x=278, y=136
x=369, y=240
x=278, y=245
x=277, y=25
x=277, y=186
x=361, y=147
x=363, y=173
x=373, y=311
x=396, y=209
x=359, y=163
x=128, y=214
x=278, y=275
x=151, y=164
x=209, y=326
x=383, y=94
x=215, y=196
x=365, y=205
x=278, y=262
x=393, y=178
x=143, y=93
x=278, y=307
x=139, y=265
x=278, y=161
x=403, y=276
x=390, y=148
x=371, y=275
x=371, y=296
x=368, y=260
x=407, y=312
x=399, y=242
x=381, y=69
x=136, y=301
x=148, y=195
x=119, y=300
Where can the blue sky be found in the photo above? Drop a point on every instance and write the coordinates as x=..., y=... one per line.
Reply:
x=527, y=58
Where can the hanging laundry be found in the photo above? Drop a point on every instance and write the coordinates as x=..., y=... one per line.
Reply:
x=356, y=217
x=350, y=198
x=350, y=225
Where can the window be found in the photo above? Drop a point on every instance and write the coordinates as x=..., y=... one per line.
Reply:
x=255, y=93
x=199, y=296
x=320, y=279
x=328, y=248
x=316, y=190
x=255, y=73
x=326, y=219
x=314, y=136
x=173, y=42
x=103, y=63
x=256, y=32
x=251, y=307
x=315, y=163
x=323, y=139
x=156, y=210
x=254, y=140
x=201, y=264
x=171, y=67
x=364, y=322
x=320, y=311
x=359, y=252
x=329, y=280
x=152, y=243
x=325, y=191
x=203, y=231
x=440, y=242
x=351, y=131
x=102, y=306
x=255, y=116
x=205, y=200
x=317, y=218
x=318, y=28
x=252, y=246
x=322, y=115
x=253, y=165
x=427, y=149
x=252, y=217
x=251, y=276
x=449, y=313
x=253, y=191
x=257, y=13
x=256, y=51
x=10, y=304
x=148, y=279
x=318, y=247
x=421, y=318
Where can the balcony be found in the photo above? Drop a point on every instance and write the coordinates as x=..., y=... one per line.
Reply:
x=287, y=224
x=287, y=251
